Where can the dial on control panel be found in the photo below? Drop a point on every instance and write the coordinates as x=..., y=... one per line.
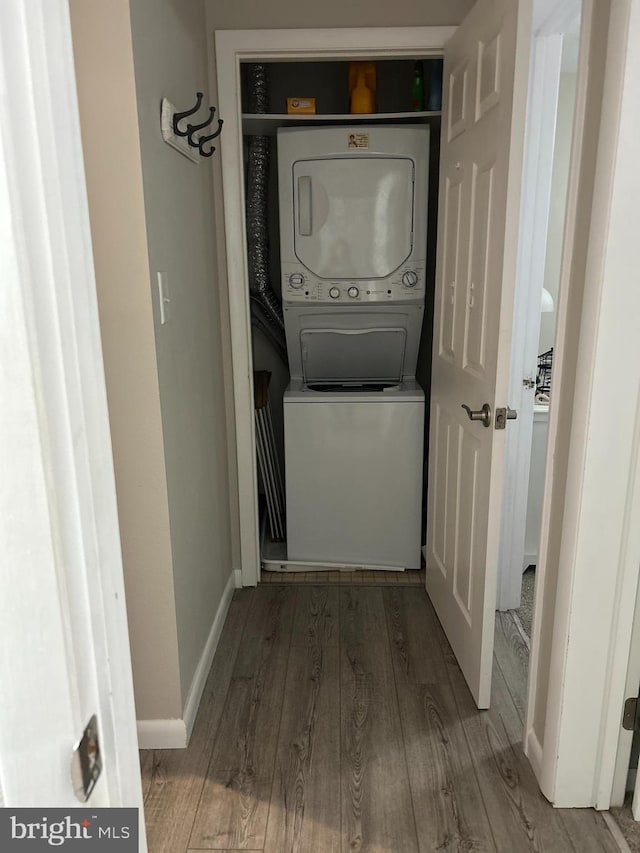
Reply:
x=410, y=278
x=353, y=292
x=296, y=280
x=334, y=292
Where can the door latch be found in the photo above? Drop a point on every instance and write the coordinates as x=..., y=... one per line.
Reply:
x=504, y=415
x=529, y=382
x=86, y=761
x=631, y=715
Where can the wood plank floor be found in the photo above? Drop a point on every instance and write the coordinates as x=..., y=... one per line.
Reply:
x=336, y=719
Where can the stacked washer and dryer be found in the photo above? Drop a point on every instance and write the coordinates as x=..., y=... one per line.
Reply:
x=353, y=225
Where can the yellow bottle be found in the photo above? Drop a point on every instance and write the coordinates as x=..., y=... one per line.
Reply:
x=361, y=96
x=362, y=87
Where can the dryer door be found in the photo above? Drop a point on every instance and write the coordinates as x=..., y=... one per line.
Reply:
x=353, y=218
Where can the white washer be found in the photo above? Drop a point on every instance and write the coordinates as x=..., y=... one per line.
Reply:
x=354, y=475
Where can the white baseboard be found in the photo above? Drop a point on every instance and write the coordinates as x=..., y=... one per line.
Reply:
x=238, y=578
x=175, y=734
x=533, y=751
x=162, y=734
x=293, y=566
x=204, y=665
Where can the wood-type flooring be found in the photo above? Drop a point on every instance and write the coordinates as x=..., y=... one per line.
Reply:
x=335, y=719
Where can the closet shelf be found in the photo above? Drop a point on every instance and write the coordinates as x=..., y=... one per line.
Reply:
x=265, y=125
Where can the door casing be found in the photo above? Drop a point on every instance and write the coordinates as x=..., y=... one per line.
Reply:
x=233, y=47
x=66, y=653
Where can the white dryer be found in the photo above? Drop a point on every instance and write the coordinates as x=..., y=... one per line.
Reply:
x=353, y=231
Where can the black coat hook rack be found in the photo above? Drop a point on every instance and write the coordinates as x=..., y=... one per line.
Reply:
x=173, y=132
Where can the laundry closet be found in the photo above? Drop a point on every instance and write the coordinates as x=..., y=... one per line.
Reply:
x=341, y=215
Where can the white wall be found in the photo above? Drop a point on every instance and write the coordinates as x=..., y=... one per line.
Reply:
x=170, y=59
x=557, y=203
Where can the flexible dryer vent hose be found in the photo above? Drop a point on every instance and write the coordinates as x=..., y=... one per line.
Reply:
x=259, y=155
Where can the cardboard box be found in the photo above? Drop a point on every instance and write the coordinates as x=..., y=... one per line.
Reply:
x=301, y=106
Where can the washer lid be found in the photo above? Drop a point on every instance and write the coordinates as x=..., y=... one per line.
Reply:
x=342, y=355
x=407, y=391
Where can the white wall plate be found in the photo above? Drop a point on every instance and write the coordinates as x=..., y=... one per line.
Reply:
x=178, y=142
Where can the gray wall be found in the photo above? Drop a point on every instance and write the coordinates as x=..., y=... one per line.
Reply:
x=249, y=15
x=151, y=209
x=170, y=59
x=109, y=124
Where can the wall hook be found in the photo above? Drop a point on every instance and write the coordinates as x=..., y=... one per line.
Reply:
x=204, y=139
x=177, y=117
x=193, y=127
x=189, y=138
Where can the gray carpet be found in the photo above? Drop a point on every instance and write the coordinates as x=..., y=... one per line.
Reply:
x=525, y=611
x=630, y=829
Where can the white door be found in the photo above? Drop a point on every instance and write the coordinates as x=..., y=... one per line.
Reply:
x=484, y=94
x=64, y=655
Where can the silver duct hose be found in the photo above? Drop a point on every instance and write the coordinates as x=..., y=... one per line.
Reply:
x=259, y=155
x=259, y=321
x=258, y=87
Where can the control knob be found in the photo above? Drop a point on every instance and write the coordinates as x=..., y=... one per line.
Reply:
x=410, y=278
x=296, y=280
x=353, y=292
x=334, y=292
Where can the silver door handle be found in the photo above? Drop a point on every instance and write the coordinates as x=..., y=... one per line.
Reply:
x=483, y=414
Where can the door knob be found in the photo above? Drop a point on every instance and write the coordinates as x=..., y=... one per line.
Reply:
x=483, y=414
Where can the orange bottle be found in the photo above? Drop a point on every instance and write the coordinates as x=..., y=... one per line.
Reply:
x=362, y=87
x=361, y=97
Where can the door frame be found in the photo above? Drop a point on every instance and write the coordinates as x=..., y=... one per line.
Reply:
x=231, y=48
x=63, y=602
x=590, y=547
x=551, y=18
x=628, y=625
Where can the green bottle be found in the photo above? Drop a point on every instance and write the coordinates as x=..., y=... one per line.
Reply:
x=417, y=90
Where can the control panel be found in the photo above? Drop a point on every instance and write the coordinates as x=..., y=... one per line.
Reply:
x=407, y=284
